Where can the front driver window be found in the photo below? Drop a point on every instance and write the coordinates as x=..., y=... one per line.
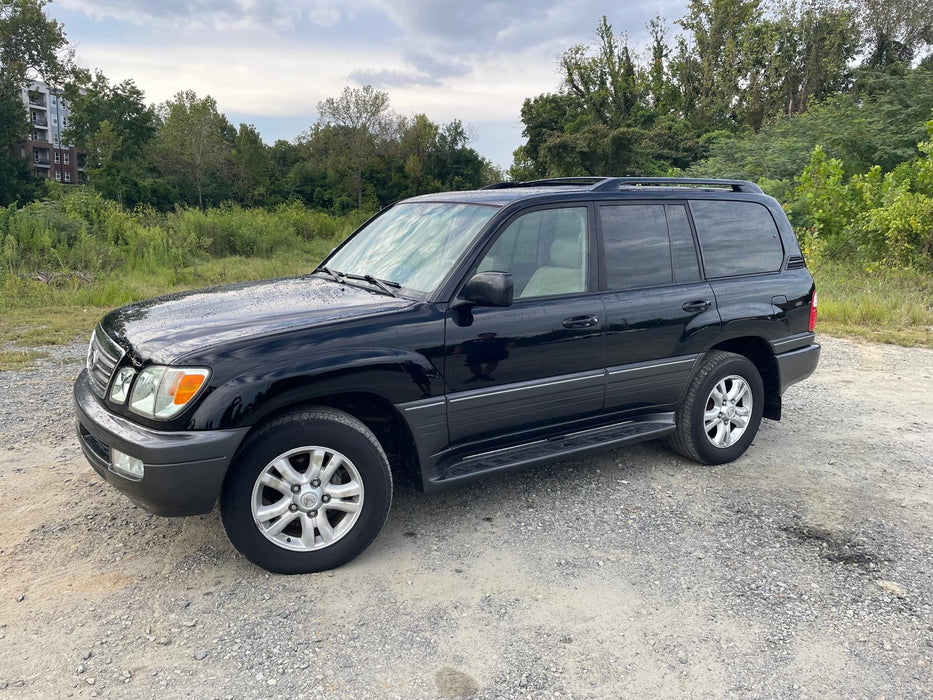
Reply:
x=545, y=251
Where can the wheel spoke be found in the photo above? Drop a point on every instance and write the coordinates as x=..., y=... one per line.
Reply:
x=722, y=434
x=342, y=490
x=282, y=523
x=345, y=506
x=274, y=510
x=307, y=531
x=739, y=388
x=314, y=466
x=285, y=468
x=274, y=483
x=718, y=394
x=336, y=461
x=324, y=526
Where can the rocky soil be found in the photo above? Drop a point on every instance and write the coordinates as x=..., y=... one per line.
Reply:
x=805, y=569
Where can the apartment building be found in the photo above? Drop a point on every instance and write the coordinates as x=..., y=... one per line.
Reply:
x=48, y=116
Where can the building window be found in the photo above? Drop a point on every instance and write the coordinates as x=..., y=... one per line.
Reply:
x=58, y=157
x=67, y=158
x=67, y=176
x=22, y=151
x=58, y=175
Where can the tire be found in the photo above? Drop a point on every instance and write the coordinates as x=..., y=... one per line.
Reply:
x=309, y=491
x=710, y=430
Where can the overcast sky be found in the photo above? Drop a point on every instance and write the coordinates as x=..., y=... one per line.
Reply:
x=269, y=62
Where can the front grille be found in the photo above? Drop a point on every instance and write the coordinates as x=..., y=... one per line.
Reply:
x=103, y=356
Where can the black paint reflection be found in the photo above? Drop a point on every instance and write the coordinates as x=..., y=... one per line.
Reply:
x=483, y=355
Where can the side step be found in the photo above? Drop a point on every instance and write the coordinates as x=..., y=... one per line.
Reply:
x=466, y=468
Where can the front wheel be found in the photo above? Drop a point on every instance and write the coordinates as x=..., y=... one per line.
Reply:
x=722, y=411
x=309, y=492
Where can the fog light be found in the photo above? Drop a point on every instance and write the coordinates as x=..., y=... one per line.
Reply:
x=124, y=464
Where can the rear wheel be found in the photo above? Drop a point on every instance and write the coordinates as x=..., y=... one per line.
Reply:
x=309, y=492
x=722, y=411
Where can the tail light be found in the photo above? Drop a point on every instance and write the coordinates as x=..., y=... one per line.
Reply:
x=813, y=312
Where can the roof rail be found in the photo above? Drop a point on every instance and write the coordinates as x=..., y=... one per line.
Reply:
x=547, y=182
x=612, y=184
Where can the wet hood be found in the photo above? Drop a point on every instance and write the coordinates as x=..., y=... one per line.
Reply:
x=168, y=327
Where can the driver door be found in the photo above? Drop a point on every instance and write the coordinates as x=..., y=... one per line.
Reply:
x=540, y=360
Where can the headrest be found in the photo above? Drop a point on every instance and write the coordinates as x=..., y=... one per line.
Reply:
x=567, y=248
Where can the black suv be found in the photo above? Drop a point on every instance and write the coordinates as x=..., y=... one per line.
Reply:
x=453, y=336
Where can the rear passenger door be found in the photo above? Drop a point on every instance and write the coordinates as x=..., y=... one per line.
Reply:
x=743, y=256
x=660, y=312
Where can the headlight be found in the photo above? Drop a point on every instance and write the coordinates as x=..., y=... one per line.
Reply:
x=163, y=392
x=121, y=384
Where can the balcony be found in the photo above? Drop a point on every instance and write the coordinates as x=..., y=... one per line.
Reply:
x=37, y=99
x=39, y=120
x=41, y=162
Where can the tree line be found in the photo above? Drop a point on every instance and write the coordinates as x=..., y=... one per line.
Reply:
x=744, y=87
x=825, y=103
x=358, y=154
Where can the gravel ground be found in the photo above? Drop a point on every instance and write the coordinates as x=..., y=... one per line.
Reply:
x=801, y=570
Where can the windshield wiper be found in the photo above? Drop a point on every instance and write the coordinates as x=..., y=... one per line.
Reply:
x=338, y=276
x=384, y=285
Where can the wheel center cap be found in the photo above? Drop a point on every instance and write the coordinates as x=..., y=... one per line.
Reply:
x=308, y=500
x=730, y=412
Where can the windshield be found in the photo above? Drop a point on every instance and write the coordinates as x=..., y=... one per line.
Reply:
x=413, y=245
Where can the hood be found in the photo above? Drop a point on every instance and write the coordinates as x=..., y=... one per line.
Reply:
x=168, y=327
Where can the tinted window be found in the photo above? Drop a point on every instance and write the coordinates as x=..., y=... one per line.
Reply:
x=737, y=238
x=638, y=251
x=545, y=251
x=683, y=249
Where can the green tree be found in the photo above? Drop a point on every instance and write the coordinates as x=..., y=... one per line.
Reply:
x=253, y=168
x=895, y=30
x=193, y=145
x=358, y=123
x=30, y=42
x=114, y=126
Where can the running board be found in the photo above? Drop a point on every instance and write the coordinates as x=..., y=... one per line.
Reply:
x=465, y=468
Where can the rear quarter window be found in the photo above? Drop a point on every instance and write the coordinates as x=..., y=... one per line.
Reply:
x=736, y=238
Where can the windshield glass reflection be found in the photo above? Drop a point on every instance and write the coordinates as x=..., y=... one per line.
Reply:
x=413, y=244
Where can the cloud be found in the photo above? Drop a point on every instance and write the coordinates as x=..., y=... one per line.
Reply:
x=475, y=61
x=384, y=78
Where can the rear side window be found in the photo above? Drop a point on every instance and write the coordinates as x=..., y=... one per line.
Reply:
x=647, y=245
x=736, y=238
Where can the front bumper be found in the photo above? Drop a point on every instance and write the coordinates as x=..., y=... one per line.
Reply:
x=184, y=470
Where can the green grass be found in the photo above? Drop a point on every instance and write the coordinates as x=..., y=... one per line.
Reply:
x=883, y=306
x=33, y=313
x=19, y=359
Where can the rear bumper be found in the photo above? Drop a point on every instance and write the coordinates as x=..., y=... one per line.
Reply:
x=796, y=365
x=183, y=471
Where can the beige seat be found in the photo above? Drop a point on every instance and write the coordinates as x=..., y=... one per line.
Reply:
x=565, y=273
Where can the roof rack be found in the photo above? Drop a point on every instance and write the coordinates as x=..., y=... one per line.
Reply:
x=547, y=182
x=611, y=184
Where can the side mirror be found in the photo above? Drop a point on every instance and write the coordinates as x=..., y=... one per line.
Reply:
x=489, y=289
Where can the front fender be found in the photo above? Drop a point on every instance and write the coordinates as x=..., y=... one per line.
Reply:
x=395, y=375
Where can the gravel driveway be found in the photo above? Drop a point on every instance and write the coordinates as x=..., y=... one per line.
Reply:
x=805, y=569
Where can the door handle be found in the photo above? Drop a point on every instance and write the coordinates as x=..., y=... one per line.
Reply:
x=580, y=322
x=698, y=305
